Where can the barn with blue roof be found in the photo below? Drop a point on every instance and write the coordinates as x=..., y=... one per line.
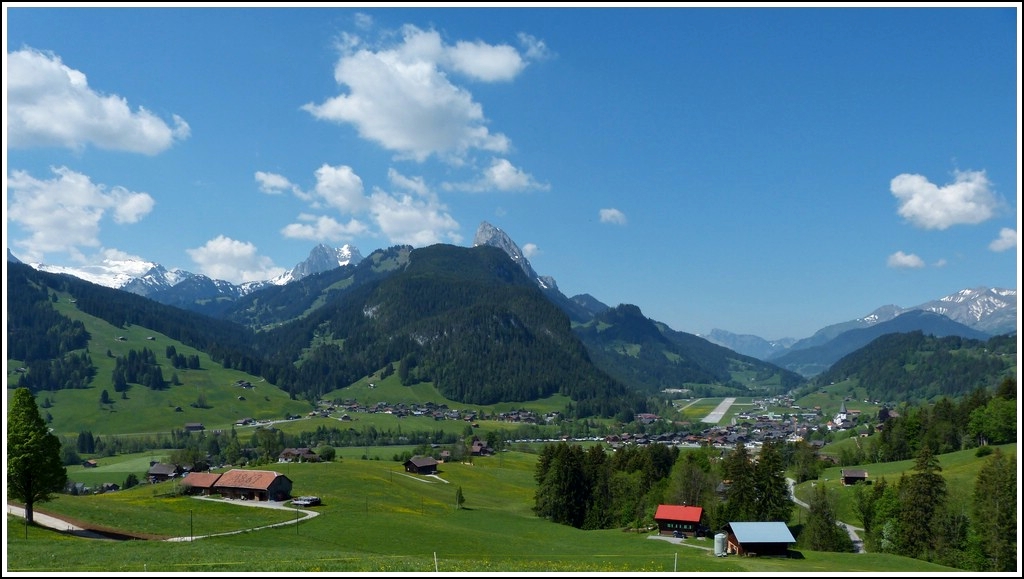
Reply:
x=763, y=539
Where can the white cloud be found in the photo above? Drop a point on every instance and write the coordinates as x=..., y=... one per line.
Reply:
x=1007, y=240
x=501, y=175
x=530, y=250
x=535, y=48
x=323, y=228
x=234, y=261
x=63, y=214
x=486, y=62
x=900, y=260
x=968, y=200
x=51, y=105
x=421, y=221
x=340, y=188
x=401, y=97
x=273, y=184
x=612, y=216
x=411, y=184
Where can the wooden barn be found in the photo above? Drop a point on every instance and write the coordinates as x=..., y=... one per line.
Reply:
x=200, y=483
x=253, y=485
x=854, y=476
x=421, y=465
x=762, y=539
x=678, y=519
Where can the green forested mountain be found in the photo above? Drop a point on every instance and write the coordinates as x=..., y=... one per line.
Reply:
x=915, y=367
x=466, y=319
x=653, y=357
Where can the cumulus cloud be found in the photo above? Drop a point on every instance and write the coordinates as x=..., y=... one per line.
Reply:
x=900, y=260
x=402, y=97
x=530, y=250
x=412, y=214
x=417, y=220
x=968, y=200
x=340, y=188
x=234, y=261
x=323, y=228
x=64, y=214
x=612, y=216
x=51, y=105
x=274, y=184
x=501, y=175
x=1007, y=240
x=485, y=62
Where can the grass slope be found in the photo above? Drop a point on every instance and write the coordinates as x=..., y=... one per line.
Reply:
x=377, y=518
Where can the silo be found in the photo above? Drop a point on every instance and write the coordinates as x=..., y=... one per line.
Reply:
x=720, y=545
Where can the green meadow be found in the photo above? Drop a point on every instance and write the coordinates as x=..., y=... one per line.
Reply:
x=960, y=469
x=377, y=518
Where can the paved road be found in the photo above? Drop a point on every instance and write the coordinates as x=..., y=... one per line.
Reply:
x=54, y=523
x=62, y=525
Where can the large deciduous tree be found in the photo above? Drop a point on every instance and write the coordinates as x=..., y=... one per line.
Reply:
x=34, y=468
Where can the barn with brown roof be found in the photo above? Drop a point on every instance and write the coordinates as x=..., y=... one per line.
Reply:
x=200, y=483
x=254, y=485
x=421, y=465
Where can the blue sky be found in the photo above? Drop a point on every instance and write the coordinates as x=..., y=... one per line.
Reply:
x=766, y=171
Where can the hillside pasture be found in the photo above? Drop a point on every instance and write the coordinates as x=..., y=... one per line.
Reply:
x=375, y=517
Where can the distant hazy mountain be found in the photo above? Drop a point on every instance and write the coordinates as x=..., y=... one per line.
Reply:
x=992, y=311
x=816, y=359
x=749, y=344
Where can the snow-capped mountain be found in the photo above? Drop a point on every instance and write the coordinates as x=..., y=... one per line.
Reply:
x=992, y=311
x=150, y=279
x=322, y=258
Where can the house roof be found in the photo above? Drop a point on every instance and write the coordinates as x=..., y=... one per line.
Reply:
x=762, y=532
x=202, y=480
x=162, y=468
x=422, y=461
x=248, y=479
x=678, y=513
x=849, y=472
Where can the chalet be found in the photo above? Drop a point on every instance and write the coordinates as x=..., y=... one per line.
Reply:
x=303, y=454
x=159, y=472
x=91, y=463
x=678, y=520
x=200, y=483
x=762, y=539
x=853, y=476
x=194, y=426
x=253, y=485
x=421, y=465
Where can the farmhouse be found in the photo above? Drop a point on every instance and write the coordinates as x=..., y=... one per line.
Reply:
x=421, y=465
x=254, y=485
x=159, y=472
x=303, y=454
x=672, y=519
x=200, y=482
x=194, y=426
x=764, y=539
x=854, y=476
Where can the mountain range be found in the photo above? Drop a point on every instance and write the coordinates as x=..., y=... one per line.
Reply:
x=973, y=313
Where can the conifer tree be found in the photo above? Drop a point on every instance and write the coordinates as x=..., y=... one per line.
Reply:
x=34, y=469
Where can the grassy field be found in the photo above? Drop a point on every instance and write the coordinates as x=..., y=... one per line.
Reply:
x=960, y=469
x=377, y=518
